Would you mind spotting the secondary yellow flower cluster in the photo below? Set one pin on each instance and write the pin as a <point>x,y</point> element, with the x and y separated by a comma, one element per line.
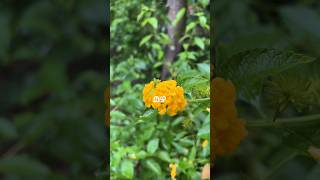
<point>174,96</point>
<point>173,173</point>
<point>227,130</point>
<point>204,144</point>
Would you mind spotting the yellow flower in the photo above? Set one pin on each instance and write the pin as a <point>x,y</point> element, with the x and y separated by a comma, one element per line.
<point>204,143</point>
<point>170,95</point>
<point>173,172</point>
<point>227,130</point>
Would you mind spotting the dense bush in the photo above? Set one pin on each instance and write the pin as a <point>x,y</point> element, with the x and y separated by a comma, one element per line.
<point>144,143</point>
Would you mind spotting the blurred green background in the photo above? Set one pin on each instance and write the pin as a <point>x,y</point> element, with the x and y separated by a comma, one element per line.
<point>291,27</point>
<point>52,78</point>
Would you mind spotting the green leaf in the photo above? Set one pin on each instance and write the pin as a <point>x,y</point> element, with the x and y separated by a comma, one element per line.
<point>186,142</point>
<point>127,169</point>
<point>193,153</point>
<point>203,21</point>
<point>117,115</point>
<point>177,121</point>
<point>153,166</point>
<point>248,69</point>
<point>148,132</point>
<point>190,26</point>
<point>141,155</point>
<point>7,130</point>
<point>204,132</point>
<point>53,76</point>
<point>153,22</point>
<point>141,14</point>
<point>164,155</point>
<point>145,40</point>
<point>165,39</point>
<point>149,114</point>
<point>35,127</point>
<point>24,166</point>
<point>180,149</point>
<point>153,146</point>
<point>157,64</point>
<point>204,68</point>
<point>199,42</point>
<point>204,3</point>
<point>199,81</point>
<point>179,16</point>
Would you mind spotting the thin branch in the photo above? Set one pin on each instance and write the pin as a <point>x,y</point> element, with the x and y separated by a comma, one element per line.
<point>14,149</point>
<point>295,121</point>
<point>199,100</point>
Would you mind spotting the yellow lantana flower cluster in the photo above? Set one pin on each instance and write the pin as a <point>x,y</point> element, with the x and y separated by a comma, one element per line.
<point>173,100</point>
<point>173,171</point>
<point>227,130</point>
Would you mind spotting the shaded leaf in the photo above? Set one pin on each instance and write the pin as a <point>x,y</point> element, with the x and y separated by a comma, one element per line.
<point>7,130</point>
<point>24,166</point>
<point>301,19</point>
<point>164,155</point>
<point>153,166</point>
<point>248,69</point>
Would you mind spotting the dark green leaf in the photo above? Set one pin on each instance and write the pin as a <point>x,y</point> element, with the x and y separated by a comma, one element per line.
<point>302,20</point>
<point>149,114</point>
<point>117,115</point>
<point>24,166</point>
<point>164,155</point>
<point>180,148</point>
<point>248,69</point>
<point>7,130</point>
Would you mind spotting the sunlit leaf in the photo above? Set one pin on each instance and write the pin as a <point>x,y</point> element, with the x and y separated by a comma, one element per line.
<point>153,146</point>
<point>127,169</point>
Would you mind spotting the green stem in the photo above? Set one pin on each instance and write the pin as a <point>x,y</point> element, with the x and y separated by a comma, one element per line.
<point>199,100</point>
<point>295,121</point>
